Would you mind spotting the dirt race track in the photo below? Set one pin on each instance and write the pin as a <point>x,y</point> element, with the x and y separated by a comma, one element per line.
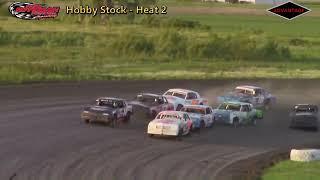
<point>42,137</point>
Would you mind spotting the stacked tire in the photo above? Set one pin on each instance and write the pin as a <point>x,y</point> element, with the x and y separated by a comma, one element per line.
<point>305,155</point>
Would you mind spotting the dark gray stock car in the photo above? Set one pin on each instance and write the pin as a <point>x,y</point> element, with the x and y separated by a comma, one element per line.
<point>107,110</point>
<point>304,116</point>
<point>151,103</point>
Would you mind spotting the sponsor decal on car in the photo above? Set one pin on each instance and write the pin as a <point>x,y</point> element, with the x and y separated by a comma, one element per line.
<point>289,10</point>
<point>194,102</point>
<point>31,11</point>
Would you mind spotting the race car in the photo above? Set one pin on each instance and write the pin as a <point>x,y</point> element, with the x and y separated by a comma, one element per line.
<point>170,123</point>
<point>304,116</point>
<point>152,103</point>
<point>201,115</point>
<point>182,97</point>
<point>108,110</point>
<point>237,113</point>
<point>254,95</point>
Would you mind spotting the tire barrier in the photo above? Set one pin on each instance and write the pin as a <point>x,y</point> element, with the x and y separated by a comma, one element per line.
<point>305,155</point>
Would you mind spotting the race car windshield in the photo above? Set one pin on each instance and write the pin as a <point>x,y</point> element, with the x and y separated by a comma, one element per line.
<point>162,116</point>
<point>147,99</point>
<point>169,93</point>
<point>194,110</point>
<point>232,107</point>
<point>243,91</point>
<point>179,95</point>
<point>109,103</point>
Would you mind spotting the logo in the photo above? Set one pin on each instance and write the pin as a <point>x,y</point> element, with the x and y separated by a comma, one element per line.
<point>289,10</point>
<point>30,11</point>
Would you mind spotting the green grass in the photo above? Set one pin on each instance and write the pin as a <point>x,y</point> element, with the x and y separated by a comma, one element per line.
<point>177,47</point>
<point>272,25</point>
<point>289,170</point>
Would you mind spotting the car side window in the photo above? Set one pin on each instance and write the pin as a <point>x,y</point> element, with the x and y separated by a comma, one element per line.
<point>208,111</point>
<point>191,95</point>
<point>165,101</point>
<point>245,108</point>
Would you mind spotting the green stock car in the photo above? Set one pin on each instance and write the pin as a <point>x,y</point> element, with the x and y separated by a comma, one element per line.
<point>236,113</point>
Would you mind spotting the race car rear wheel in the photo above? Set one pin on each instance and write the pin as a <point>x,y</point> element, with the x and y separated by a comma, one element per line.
<point>87,121</point>
<point>179,136</point>
<point>113,121</point>
<point>254,121</point>
<point>128,116</point>
<point>267,105</point>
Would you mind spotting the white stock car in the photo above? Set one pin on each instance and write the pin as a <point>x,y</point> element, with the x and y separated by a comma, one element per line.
<point>170,123</point>
<point>255,95</point>
<point>201,115</point>
<point>182,97</point>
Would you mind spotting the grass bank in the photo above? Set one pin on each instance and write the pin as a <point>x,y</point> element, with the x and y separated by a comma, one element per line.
<point>289,170</point>
<point>158,47</point>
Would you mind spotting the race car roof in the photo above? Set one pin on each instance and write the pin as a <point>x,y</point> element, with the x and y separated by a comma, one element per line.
<point>110,98</point>
<point>237,102</point>
<point>181,90</point>
<point>172,112</point>
<point>197,106</point>
<point>250,88</point>
<point>149,94</point>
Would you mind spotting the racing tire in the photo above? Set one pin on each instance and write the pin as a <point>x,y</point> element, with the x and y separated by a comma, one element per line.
<point>267,105</point>
<point>128,117</point>
<point>202,124</point>
<point>179,107</point>
<point>254,122</point>
<point>213,122</point>
<point>150,135</point>
<point>235,122</point>
<point>179,136</point>
<point>113,122</point>
<point>87,121</point>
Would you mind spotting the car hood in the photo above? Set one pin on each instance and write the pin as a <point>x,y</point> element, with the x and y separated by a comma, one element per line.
<point>234,97</point>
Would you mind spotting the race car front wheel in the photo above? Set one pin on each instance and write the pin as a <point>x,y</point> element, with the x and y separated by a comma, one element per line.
<point>254,122</point>
<point>235,122</point>
<point>179,107</point>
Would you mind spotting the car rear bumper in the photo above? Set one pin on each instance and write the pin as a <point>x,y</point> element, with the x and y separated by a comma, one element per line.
<point>157,129</point>
<point>95,117</point>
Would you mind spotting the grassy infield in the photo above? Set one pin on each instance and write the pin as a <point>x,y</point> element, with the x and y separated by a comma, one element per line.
<point>289,170</point>
<point>187,46</point>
